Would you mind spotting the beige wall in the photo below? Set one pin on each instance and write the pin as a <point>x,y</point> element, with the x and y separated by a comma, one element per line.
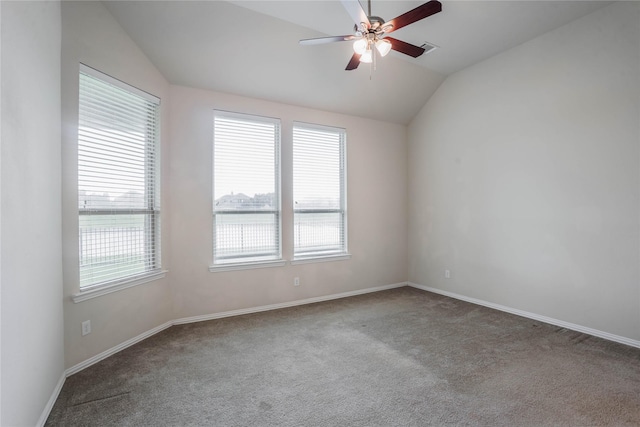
<point>31,276</point>
<point>523,177</point>
<point>91,36</point>
<point>376,169</point>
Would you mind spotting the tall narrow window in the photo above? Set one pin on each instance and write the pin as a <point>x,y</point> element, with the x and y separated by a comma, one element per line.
<point>118,191</point>
<point>246,189</point>
<point>319,211</point>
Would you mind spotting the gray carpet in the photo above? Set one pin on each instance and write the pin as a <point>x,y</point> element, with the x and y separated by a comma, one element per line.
<point>402,357</point>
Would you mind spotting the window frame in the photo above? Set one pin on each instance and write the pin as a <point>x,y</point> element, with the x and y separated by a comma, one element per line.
<point>152,208</point>
<point>343,253</point>
<point>249,261</point>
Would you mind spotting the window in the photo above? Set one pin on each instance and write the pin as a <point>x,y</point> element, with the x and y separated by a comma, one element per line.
<point>246,189</point>
<point>319,211</point>
<point>118,190</point>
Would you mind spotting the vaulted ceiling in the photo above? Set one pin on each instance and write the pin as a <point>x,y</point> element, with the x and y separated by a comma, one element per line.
<point>251,47</point>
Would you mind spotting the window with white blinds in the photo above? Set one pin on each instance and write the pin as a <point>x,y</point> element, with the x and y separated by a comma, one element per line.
<point>118,191</point>
<point>246,188</point>
<point>319,176</point>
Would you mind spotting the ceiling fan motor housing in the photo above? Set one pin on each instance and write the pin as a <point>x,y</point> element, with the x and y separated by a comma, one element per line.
<point>377,26</point>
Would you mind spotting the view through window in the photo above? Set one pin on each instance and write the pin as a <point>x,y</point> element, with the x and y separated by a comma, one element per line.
<point>246,187</point>
<point>319,158</point>
<point>118,193</point>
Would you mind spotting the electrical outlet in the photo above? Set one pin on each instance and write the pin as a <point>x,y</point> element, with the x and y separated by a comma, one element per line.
<point>296,281</point>
<point>86,327</point>
<point>447,274</point>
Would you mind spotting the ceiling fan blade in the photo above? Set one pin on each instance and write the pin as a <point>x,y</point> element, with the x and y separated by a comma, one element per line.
<point>404,47</point>
<point>357,13</point>
<point>322,40</point>
<point>354,62</point>
<point>420,12</point>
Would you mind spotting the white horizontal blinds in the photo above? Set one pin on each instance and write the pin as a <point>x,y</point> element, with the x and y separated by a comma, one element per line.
<point>319,191</point>
<point>118,195</point>
<point>246,181</point>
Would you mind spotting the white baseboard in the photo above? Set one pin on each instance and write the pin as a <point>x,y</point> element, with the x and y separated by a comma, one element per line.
<point>97,358</point>
<point>52,401</point>
<point>285,304</point>
<point>113,350</point>
<point>545,319</point>
<point>93,360</point>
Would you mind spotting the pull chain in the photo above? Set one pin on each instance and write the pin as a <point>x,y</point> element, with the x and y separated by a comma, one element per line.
<point>372,66</point>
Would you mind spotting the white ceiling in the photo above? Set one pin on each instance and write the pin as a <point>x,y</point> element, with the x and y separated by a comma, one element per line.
<point>251,47</point>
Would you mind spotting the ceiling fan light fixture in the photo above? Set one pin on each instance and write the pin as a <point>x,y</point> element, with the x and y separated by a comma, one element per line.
<point>383,46</point>
<point>360,45</point>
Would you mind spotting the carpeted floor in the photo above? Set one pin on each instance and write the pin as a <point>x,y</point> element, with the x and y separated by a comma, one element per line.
<point>402,357</point>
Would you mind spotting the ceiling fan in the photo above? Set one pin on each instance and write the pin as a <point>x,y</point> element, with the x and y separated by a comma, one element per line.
<point>371,32</point>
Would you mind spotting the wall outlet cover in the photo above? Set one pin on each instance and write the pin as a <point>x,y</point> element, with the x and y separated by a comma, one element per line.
<point>86,327</point>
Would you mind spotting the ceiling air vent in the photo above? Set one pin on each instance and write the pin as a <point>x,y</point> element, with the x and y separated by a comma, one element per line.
<point>428,47</point>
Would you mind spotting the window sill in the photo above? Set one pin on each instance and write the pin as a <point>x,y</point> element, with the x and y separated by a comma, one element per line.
<point>327,258</point>
<point>246,266</point>
<point>117,286</point>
